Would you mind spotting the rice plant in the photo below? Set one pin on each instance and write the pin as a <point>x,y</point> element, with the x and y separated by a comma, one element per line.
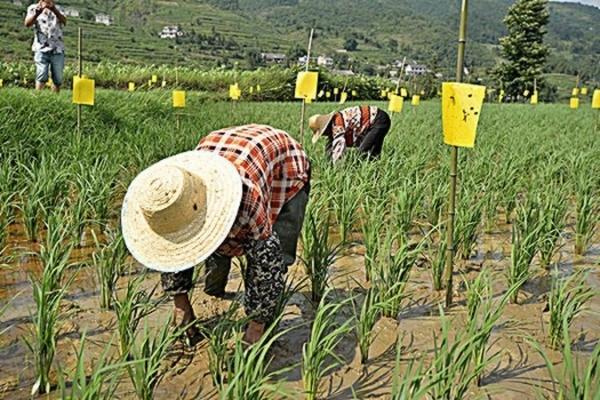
<point>318,254</point>
<point>345,205</point>
<point>318,352</point>
<point>566,301</point>
<point>48,291</point>
<point>554,206</point>
<point>130,310</point>
<point>407,200</point>
<point>146,371</point>
<point>99,384</point>
<point>108,262</point>
<point>415,382</point>
<point>372,227</point>
<point>436,256</point>
<point>6,219</point>
<point>248,371</point>
<point>468,220</point>
<point>526,232</point>
<point>587,210</point>
<point>573,379</point>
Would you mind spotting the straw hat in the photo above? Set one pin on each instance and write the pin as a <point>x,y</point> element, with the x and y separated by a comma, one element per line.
<point>180,210</point>
<point>319,124</point>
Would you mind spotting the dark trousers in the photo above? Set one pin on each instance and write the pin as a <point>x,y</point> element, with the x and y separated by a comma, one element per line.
<point>371,144</point>
<point>217,267</point>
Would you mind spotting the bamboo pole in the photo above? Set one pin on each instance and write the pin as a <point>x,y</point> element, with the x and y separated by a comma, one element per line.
<point>401,74</point>
<point>449,270</point>
<point>79,73</point>
<point>303,112</point>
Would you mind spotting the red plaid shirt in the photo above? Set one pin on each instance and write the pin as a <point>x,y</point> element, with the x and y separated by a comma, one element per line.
<point>348,126</point>
<point>273,168</point>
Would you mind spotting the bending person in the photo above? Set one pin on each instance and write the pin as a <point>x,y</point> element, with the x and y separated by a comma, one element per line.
<point>243,192</point>
<point>363,127</point>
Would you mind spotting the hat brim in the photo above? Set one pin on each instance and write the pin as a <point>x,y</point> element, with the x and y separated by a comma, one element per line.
<point>322,127</point>
<point>223,198</point>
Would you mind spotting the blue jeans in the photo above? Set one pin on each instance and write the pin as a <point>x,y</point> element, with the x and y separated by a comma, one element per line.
<point>49,61</point>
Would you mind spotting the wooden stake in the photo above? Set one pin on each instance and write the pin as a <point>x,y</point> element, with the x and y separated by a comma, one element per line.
<point>303,112</point>
<point>449,270</point>
<point>79,73</point>
<point>401,74</point>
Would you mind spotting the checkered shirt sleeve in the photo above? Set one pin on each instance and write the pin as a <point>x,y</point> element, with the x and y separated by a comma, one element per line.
<point>273,168</point>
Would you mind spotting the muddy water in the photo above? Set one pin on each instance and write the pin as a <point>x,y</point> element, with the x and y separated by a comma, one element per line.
<point>518,373</point>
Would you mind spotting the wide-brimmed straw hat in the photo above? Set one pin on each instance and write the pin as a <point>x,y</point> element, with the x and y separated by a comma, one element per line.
<point>318,124</point>
<point>180,210</point>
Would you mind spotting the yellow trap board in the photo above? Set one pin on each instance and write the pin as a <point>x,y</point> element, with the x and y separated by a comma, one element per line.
<point>84,91</point>
<point>396,103</point>
<point>306,85</point>
<point>461,107</point>
<point>178,98</point>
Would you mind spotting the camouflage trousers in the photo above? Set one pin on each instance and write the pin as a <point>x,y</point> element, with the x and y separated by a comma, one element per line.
<point>267,262</point>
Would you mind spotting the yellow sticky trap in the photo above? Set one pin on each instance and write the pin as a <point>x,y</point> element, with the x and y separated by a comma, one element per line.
<point>416,100</point>
<point>354,93</point>
<point>178,99</point>
<point>526,93</point>
<point>131,87</point>
<point>154,78</point>
<point>396,103</point>
<point>164,83</point>
<point>321,93</point>
<point>422,93</point>
<point>343,98</point>
<point>461,107</point>
<point>575,92</point>
<point>306,85</point>
<point>307,101</point>
<point>390,95</point>
<point>403,92</point>
<point>1,82</point>
<point>596,99</point>
<point>150,83</point>
<point>584,91</point>
<point>251,90</point>
<point>574,103</point>
<point>336,91</point>
<point>328,94</point>
<point>383,94</point>
<point>234,92</point>
<point>258,89</point>
<point>83,91</point>
<point>534,98</point>
<point>49,83</point>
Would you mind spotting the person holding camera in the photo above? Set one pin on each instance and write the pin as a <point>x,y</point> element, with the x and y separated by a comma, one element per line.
<point>47,20</point>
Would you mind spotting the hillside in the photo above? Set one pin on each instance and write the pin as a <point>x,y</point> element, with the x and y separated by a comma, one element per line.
<point>222,32</point>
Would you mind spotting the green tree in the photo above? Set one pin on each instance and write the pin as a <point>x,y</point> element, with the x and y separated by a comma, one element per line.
<point>351,44</point>
<point>523,49</point>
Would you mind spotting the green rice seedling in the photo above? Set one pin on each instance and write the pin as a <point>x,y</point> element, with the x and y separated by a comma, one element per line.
<point>146,371</point>
<point>554,206</point>
<point>452,364</point>
<point>219,337</point>
<point>248,371</point>
<point>415,382</point>
<point>4,308</point>
<point>436,202</point>
<point>525,241</point>
<point>437,261</point>
<point>372,227</point>
<point>318,352</point>
<point>6,219</point>
<point>108,262</point>
<point>345,205</point>
<point>407,200</point>
<point>575,380</point>
<point>99,384</point>
<point>130,310</point>
<point>587,213</point>
<point>468,220</point>
<point>317,252</point>
<point>566,301</point>
<point>393,271</point>
<point>32,210</point>
<point>48,292</point>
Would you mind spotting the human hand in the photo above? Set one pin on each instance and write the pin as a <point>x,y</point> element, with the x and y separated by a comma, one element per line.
<point>254,332</point>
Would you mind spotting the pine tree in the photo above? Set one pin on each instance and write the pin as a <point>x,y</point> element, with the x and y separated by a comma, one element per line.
<point>523,49</point>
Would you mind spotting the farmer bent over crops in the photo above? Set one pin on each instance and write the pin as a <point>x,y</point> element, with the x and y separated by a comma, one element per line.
<point>243,192</point>
<point>363,127</point>
<point>48,44</point>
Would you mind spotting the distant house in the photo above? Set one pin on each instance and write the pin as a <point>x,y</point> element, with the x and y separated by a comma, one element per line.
<point>413,69</point>
<point>170,32</point>
<point>103,19</point>
<point>71,12</point>
<point>273,58</point>
<point>324,61</point>
<point>17,3</point>
<point>344,72</point>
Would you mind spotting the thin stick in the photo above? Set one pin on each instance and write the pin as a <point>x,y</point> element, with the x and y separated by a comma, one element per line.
<point>449,271</point>
<point>401,74</point>
<point>79,73</point>
<point>302,114</point>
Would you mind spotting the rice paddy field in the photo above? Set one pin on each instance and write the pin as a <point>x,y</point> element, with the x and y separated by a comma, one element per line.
<point>363,315</point>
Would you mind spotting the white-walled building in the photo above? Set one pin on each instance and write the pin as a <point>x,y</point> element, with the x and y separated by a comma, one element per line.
<point>71,12</point>
<point>170,32</point>
<point>103,19</point>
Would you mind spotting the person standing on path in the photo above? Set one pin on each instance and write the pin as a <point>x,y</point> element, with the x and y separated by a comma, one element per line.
<point>48,46</point>
<point>243,192</point>
<point>363,127</point>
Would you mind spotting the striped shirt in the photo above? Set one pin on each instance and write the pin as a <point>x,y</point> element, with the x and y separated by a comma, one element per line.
<point>273,168</point>
<point>348,127</point>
